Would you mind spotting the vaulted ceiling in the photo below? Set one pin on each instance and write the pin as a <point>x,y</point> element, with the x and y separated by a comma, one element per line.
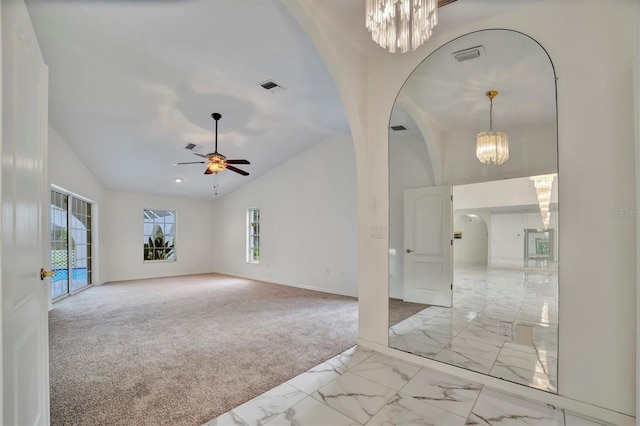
<point>133,82</point>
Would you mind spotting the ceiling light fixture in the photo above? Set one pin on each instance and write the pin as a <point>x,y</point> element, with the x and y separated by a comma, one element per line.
<point>177,180</point>
<point>400,25</point>
<point>543,185</point>
<point>492,147</point>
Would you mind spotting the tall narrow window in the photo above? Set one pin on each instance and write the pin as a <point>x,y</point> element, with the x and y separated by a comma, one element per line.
<point>70,244</point>
<point>159,239</point>
<point>253,235</point>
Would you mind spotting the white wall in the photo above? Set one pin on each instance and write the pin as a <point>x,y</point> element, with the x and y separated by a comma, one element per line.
<point>516,192</point>
<point>122,236</point>
<point>473,247</point>
<point>68,172</point>
<point>595,104</point>
<point>410,163</point>
<point>308,222</point>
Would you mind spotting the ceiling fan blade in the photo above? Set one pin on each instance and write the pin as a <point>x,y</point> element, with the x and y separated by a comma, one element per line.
<point>208,172</point>
<point>237,170</point>
<point>238,162</point>
<point>199,155</point>
<point>190,162</point>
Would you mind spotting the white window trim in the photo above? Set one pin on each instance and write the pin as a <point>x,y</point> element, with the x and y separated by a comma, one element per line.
<point>249,257</point>
<point>175,229</point>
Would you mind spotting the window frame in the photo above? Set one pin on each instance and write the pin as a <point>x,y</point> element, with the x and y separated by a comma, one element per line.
<point>253,238</point>
<point>172,227</point>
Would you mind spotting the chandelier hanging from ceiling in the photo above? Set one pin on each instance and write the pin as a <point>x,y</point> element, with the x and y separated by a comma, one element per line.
<point>492,147</point>
<point>400,25</point>
<point>544,185</point>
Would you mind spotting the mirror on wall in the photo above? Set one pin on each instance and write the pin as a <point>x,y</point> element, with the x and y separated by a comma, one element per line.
<point>473,247</point>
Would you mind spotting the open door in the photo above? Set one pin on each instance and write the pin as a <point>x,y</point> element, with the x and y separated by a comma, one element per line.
<point>25,352</point>
<point>428,268</point>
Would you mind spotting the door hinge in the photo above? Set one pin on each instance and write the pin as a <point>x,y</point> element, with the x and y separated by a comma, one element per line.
<point>451,242</point>
<point>452,198</point>
<point>451,286</point>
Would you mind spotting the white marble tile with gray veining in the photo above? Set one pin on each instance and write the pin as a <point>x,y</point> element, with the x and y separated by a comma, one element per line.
<point>495,408</point>
<point>470,362</point>
<point>404,410</point>
<point>430,337</point>
<point>350,358</point>
<point>534,379</point>
<point>227,419</point>
<point>311,412</point>
<point>265,407</point>
<point>354,396</point>
<point>487,351</point>
<point>415,347</point>
<point>536,361</point>
<point>387,371</point>
<point>444,391</point>
<point>312,380</point>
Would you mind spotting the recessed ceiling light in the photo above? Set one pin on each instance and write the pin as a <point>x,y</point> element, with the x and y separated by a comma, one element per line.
<point>177,180</point>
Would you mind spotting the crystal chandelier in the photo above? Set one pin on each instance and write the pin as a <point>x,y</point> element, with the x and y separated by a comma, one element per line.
<point>543,185</point>
<point>400,25</point>
<point>492,147</point>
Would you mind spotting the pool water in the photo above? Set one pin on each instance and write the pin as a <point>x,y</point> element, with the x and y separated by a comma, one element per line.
<point>76,274</point>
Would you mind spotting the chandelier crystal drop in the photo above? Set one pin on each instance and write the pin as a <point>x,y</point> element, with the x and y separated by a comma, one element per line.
<point>544,185</point>
<point>492,147</point>
<point>400,25</point>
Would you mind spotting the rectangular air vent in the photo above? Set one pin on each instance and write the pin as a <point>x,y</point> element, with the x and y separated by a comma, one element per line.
<point>445,2</point>
<point>193,147</point>
<point>271,86</point>
<point>398,128</point>
<point>470,53</point>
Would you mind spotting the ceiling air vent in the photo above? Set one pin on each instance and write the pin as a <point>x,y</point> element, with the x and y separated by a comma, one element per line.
<point>470,53</point>
<point>444,2</point>
<point>192,147</point>
<point>271,86</point>
<point>398,128</point>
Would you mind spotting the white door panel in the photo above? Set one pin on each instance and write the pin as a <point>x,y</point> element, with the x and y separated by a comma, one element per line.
<point>428,270</point>
<point>25,372</point>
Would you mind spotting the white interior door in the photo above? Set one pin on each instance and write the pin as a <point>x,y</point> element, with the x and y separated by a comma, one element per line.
<point>428,233</point>
<point>25,354</point>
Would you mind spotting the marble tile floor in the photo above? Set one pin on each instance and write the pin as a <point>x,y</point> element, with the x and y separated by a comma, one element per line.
<point>363,387</point>
<point>469,335</point>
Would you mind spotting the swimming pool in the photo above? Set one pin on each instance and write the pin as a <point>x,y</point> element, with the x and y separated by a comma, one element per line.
<point>76,274</point>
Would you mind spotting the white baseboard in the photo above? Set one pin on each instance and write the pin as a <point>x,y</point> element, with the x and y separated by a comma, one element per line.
<point>557,401</point>
<point>289,284</point>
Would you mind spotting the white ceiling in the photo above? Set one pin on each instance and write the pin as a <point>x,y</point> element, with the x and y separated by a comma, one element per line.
<point>132,82</point>
<point>452,93</point>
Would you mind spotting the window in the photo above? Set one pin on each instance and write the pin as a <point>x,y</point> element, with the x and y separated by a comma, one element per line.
<point>159,235</point>
<point>253,235</point>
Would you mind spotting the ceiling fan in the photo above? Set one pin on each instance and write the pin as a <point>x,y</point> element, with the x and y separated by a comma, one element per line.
<point>217,162</point>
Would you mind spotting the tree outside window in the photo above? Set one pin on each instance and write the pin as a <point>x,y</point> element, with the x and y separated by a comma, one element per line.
<point>159,235</point>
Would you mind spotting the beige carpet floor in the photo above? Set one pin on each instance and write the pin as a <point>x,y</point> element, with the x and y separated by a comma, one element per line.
<point>181,351</point>
<point>400,310</point>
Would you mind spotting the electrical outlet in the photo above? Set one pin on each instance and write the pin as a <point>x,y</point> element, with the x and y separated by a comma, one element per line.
<point>506,329</point>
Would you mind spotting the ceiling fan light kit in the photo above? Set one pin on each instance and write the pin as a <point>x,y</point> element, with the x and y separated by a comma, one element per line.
<point>217,162</point>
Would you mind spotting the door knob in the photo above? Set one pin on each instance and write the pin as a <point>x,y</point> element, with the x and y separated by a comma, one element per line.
<point>409,251</point>
<point>44,274</point>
